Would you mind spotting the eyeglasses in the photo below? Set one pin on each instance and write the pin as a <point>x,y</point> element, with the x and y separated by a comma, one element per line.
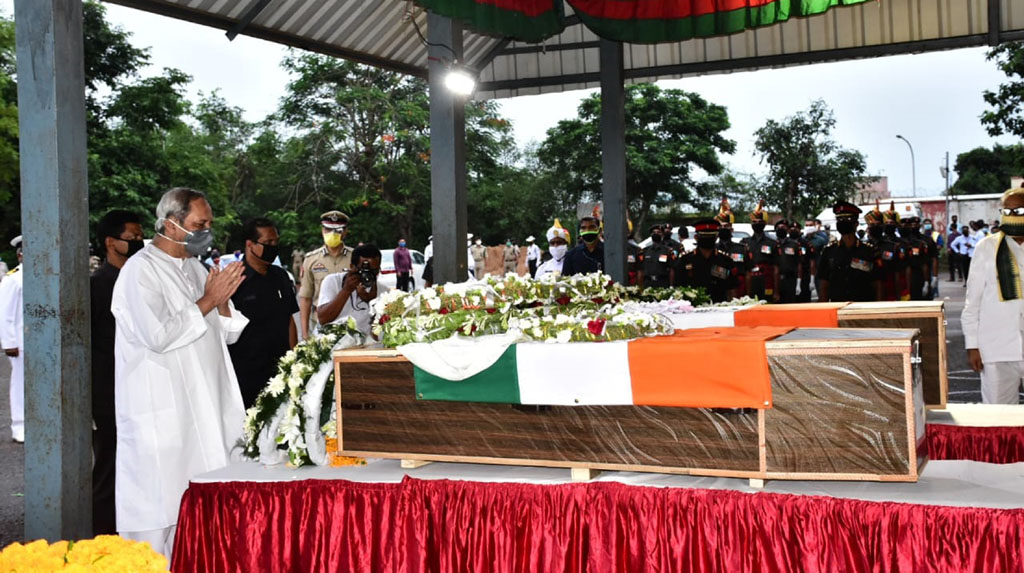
<point>337,231</point>
<point>1018,211</point>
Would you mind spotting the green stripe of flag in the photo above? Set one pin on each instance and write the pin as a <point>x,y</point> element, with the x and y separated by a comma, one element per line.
<point>652,31</point>
<point>497,384</point>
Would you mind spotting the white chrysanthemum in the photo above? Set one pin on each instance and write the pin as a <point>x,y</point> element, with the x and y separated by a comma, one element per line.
<point>276,385</point>
<point>564,336</point>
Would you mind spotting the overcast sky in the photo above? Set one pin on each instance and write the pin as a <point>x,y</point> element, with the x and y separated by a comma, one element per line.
<point>934,99</point>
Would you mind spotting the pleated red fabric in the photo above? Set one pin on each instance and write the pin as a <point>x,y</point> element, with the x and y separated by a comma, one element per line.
<point>433,526</point>
<point>995,445</point>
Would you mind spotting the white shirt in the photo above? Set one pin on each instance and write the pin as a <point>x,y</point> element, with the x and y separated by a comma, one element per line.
<point>549,266</point>
<point>428,251</point>
<point>533,252</point>
<point>12,330</point>
<point>178,407</point>
<point>355,307</point>
<point>992,326</point>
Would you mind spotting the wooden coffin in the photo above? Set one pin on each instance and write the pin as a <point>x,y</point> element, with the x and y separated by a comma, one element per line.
<point>847,406</point>
<point>929,317</point>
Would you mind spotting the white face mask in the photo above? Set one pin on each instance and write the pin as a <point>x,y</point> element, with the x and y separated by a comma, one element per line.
<point>557,251</point>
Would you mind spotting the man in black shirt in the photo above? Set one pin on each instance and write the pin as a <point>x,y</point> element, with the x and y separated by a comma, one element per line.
<point>267,298</point>
<point>587,257</point>
<point>120,235</point>
<point>706,267</point>
<point>848,270</point>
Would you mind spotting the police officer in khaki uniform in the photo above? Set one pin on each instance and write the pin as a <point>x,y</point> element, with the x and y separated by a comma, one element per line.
<point>656,261</point>
<point>333,257</point>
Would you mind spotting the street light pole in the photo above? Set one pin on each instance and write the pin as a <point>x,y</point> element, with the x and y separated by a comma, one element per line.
<point>913,164</point>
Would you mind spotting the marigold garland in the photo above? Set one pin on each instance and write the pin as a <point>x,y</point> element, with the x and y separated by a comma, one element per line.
<point>103,554</point>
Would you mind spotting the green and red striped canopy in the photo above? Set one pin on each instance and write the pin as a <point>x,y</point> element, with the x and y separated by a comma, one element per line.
<point>633,21</point>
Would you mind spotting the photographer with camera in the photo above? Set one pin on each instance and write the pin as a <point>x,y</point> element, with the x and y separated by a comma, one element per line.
<point>348,294</point>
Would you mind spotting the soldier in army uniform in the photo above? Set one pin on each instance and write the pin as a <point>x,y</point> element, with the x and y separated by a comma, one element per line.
<point>706,267</point>
<point>332,257</point>
<point>656,261</point>
<point>791,259</point>
<point>890,254</point>
<point>848,271</point>
<point>763,273</point>
<point>676,246</point>
<point>917,256</point>
<point>737,252</point>
<point>894,254</point>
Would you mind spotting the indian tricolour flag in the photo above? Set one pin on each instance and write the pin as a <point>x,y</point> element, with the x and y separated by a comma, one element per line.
<point>685,371</point>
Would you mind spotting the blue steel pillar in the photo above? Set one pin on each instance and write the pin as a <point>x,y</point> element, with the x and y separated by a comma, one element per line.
<point>613,159</point>
<point>54,221</point>
<point>447,154</point>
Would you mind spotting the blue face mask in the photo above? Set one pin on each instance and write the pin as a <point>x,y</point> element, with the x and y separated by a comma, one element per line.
<point>928,227</point>
<point>401,243</point>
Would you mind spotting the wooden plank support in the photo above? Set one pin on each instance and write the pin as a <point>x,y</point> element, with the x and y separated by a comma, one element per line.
<point>413,464</point>
<point>584,474</point>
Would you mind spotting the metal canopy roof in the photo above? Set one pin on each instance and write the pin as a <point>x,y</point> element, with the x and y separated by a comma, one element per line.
<point>381,33</point>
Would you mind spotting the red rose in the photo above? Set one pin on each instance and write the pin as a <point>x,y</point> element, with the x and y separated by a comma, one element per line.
<point>597,300</point>
<point>444,310</point>
<point>492,310</point>
<point>563,300</point>
<point>384,318</point>
<point>596,327</point>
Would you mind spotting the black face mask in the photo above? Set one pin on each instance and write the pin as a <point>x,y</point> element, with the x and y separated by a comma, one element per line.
<point>588,236</point>
<point>706,242</point>
<point>134,245</point>
<point>657,238</point>
<point>758,227</point>
<point>875,231</point>
<point>269,252</point>
<point>725,235</point>
<point>890,229</point>
<point>846,227</point>
<point>795,234</point>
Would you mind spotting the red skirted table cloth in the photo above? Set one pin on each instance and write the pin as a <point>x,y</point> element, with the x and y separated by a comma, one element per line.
<point>441,525</point>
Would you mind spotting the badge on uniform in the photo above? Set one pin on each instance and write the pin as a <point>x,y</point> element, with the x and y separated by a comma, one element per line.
<point>630,259</point>
<point>689,266</point>
<point>790,251</point>
<point>319,268</point>
<point>738,257</point>
<point>766,249</point>
<point>662,258</point>
<point>861,265</point>
<point>915,251</point>
<point>719,272</point>
<point>887,255</point>
<point>803,251</point>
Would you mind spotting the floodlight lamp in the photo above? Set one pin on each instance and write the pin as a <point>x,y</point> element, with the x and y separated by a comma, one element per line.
<point>459,81</point>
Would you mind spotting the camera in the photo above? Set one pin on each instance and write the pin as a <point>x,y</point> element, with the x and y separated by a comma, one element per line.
<point>367,276</point>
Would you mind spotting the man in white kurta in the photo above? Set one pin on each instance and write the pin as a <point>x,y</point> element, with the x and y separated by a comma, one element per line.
<point>12,341</point>
<point>993,315</point>
<point>178,407</point>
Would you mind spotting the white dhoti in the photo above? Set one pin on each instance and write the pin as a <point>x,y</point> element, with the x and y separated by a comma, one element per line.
<point>161,540</point>
<point>17,397</point>
<point>1000,382</point>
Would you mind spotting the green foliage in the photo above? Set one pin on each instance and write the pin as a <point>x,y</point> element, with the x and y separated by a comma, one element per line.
<point>673,138</point>
<point>983,170</point>
<point>807,169</point>
<point>1006,116</point>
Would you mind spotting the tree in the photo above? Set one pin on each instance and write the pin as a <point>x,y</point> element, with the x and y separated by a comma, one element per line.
<point>362,144</point>
<point>671,138</point>
<point>983,170</point>
<point>807,169</point>
<point>1006,115</point>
